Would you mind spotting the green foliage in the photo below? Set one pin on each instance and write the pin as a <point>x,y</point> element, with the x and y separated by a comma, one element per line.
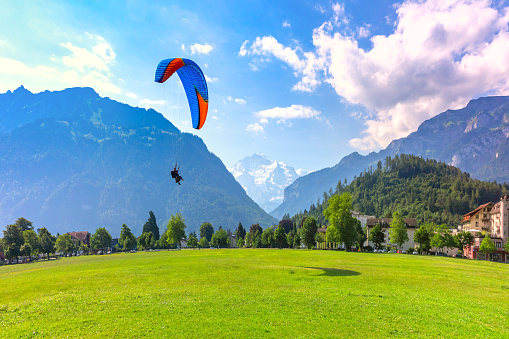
<point>151,226</point>
<point>487,245</point>
<point>423,235</point>
<point>463,239</point>
<point>47,241</point>
<point>32,239</point>
<point>13,240</point>
<point>398,232</point>
<point>254,229</point>
<point>101,239</point>
<point>240,242</point>
<point>204,242</point>
<point>24,224</point>
<point>268,238</point>
<point>280,237</point>
<point>206,230</point>
<point>240,232</point>
<point>344,226</point>
<point>309,228</point>
<point>442,237</point>
<point>220,239</point>
<point>192,241</point>
<point>127,239</point>
<point>425,189</point>
<point>64,244</point>
<point>176,229</point>
<point>377,236</point>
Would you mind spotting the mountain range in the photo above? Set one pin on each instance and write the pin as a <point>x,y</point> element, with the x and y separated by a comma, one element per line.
<point>73,161</point>
<point>475,139</point>
<point>264,180</point>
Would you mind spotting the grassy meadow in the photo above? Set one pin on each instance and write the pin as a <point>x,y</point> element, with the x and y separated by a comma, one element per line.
<point>259,293</point>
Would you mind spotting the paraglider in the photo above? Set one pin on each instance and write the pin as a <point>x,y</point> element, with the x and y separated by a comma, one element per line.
<point>194,83</point>
<point>195,86</point>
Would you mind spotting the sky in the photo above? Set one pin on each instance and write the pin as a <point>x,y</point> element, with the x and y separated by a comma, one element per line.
<point>303,82</point>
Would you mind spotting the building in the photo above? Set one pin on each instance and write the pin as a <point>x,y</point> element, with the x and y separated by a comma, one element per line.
<point>361,217</point>
<point>488,220</point>
<point>478,219</point>
<point>83,236</point>
<point>410,223</point>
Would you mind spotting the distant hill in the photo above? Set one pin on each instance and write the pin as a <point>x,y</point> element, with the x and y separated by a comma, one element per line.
<point>71,161</point>
<point>425,189</point>
<point>264,180</point>
<point>475,139</point>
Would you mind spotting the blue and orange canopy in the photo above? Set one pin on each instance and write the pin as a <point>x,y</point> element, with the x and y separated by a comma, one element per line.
<point>194,84</point>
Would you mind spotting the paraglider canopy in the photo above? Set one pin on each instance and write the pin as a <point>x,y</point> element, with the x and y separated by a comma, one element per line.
<point>194,83</point>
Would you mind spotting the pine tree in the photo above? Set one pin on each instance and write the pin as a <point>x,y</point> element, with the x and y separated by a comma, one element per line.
<point>151,226</point>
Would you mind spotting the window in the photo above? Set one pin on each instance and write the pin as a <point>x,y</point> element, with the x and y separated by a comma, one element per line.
<point>476,224</point>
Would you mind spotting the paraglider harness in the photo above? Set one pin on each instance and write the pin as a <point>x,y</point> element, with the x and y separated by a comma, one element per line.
<point>175,174</point>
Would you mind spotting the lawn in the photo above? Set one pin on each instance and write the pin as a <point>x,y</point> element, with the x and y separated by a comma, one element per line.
<point>255,294</point>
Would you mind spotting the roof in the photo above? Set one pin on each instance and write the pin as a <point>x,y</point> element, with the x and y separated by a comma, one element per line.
<point>411,222</point>
<point>474,212</point>
<point>80,235</point>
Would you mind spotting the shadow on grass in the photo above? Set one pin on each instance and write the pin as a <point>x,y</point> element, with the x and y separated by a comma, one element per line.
<point>334,272</point>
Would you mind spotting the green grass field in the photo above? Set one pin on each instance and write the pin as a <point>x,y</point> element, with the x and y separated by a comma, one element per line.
<point>255,294</point>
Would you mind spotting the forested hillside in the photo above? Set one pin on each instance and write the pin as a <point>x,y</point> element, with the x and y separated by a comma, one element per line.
<point>419,188</point>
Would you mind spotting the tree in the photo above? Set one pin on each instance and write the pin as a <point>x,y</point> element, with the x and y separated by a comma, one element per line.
<point>151,226</point>
<point>287,225</point>
<point>101,239</point>
<point>297,238</point>
<point>280,237</point>
<point>206,230</point>
<point>24,224</point>
<point>240,242</point>
<point>249,240</point>
<point>64,244</point>
<point>240,232</point>
<point>127,239</point>
<point>423,237</point>
<point>204,242</point>
<point>163,241</point>
<point>176,229</point>
<point>13,240</point>
<point>308,232</point>
<point>220,239</point>
<point>289,239</point>
<point>361,235</point>
<point>506,247</point>
<point>268,238</point>
<point>255,228</point>
<point>192,241</point>
<point>32,239</point>
<point>487,246</point>
<point>377,236</point>
<point>146,241</point>
<point>398,232</point>
<point>339,215</point>
<point>257,239</point>
<point>442,237</point>
<point>463,239</point>
<point>47,241</point>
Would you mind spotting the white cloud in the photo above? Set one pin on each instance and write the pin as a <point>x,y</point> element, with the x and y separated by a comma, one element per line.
<point>151,103</point>
<point>131,95</point>
<point>282,114</point>
<point>197,49</point>
<point>209,79</point>
<point>256,128</point>
<point>84,66</point>
<point>238,101</point>
<point>286,24</point>
<point>363,31</point>
<point>440,55</point>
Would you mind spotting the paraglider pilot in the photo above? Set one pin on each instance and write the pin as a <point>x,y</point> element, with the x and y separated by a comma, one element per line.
<point>175,174</point>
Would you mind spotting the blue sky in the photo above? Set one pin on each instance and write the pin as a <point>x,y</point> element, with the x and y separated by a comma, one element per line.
<point>304,82</point>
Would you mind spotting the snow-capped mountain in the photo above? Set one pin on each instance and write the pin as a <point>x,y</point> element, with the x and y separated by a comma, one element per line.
<point>265,180</point>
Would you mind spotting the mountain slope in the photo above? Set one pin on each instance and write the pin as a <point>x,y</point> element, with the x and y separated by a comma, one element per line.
<point>73,161</point>
<point>474,139</point>
<point>264,180</point>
